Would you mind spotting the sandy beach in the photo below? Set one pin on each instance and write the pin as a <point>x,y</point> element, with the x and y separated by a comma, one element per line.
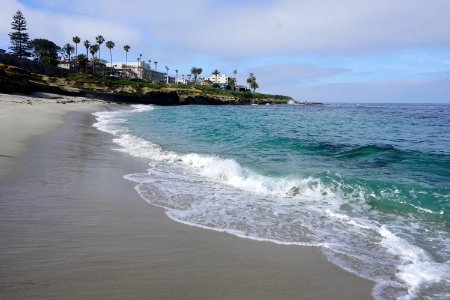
<point>72,228</point>
<point>22,117</point>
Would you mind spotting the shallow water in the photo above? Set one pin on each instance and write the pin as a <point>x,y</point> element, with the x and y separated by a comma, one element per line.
<point>369,184</point>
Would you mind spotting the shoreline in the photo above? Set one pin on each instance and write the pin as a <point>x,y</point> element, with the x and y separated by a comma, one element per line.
<point>74,228</point>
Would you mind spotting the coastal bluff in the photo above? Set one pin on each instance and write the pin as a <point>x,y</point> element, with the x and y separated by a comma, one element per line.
<point>19,77</point>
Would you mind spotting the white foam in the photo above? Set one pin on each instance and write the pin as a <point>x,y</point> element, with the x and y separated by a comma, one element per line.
<point>417,268</point>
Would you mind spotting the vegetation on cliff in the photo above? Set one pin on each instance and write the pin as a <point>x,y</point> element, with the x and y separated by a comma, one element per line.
<point>29,78</point>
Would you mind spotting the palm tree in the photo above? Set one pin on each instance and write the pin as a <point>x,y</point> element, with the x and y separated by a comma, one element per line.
<point>231,82</point>
<point>93,49</point>
<point>150,68</point>
<point>82,61</point>
<point>199,71</point>
<point>196,71</point>
<point>139,67</point>
<point>167,74</point>
<point>254,85</point>
<point>110,45</point>
<point>251,80</point>
<point>76,40</point>
<point>126,48</point>
<point>86,44</point>
<point>156,65</point>
<point>176,76</point>
<point>68,49</point>
<point>216,73</point>
<point>100,39</point>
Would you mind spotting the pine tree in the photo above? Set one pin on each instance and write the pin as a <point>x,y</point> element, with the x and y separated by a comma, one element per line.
<point>20,44</point>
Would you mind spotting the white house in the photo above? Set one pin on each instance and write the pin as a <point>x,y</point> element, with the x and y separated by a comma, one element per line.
<point>141,70</point>
<point>220,79</point>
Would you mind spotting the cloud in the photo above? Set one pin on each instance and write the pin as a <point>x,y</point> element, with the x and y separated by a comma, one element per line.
<point>60,27</point>
<point>248,28</point>
<point>285,26</point>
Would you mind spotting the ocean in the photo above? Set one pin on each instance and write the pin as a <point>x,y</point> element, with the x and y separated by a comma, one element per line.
<point>368,184</point>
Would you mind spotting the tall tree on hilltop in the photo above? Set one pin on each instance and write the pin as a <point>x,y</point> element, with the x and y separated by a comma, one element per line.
<point>76,40</point>
<point>45,51</point>
<point>199,71</point>
<point>234,80</point>
<point>99,39</point>
<point>156,66</point>
<point>231,82</point>
<point>126,48</point>
<point>196,71</point>
<point>176,76</point>
<point>68,49</point>
<point>20,44</point>
<point>93,49</point>
<point>254,85</point>
<point>82,61</point>
<point>251,80</point>
<point>167,74</point>
<point>87,44</point>
<point>110,45</point>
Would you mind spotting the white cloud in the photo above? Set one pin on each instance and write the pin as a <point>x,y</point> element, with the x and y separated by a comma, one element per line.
<point>60,27</point>
<point>247,28</point>
<point>297,26</point>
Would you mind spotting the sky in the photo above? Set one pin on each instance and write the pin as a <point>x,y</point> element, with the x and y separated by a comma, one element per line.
<point>316,50</point>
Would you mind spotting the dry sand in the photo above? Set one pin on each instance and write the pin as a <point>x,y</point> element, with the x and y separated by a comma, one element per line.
<point>72,228</point>
<point>22,117</point>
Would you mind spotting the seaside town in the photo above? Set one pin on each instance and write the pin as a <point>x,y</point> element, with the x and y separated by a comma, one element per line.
<point>69,57</point>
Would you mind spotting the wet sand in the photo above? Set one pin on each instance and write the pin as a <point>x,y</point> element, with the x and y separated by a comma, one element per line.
<point>72,228</point>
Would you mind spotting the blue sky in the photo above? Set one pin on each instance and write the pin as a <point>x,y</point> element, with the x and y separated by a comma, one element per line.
<point>327,50</point>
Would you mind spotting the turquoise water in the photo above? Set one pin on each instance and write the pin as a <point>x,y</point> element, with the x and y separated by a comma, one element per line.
<point>368,184</point>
